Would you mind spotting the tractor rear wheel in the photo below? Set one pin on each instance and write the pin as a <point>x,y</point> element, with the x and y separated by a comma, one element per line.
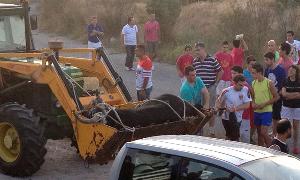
<point>22,145</point>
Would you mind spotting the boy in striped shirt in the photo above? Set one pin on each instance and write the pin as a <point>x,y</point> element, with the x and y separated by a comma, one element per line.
<point>143,74</point>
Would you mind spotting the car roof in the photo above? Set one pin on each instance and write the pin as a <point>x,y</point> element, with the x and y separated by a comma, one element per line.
<point>5,5</point>
<point>236,153</point>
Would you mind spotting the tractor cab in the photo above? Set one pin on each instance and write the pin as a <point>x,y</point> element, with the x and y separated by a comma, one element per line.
<point>15,28</point>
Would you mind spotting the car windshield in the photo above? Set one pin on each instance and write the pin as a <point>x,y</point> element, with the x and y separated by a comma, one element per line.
<point>12,33</point>
<point>275,168</point>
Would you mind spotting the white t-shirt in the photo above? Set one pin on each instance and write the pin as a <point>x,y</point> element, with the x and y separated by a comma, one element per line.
<point>294,52</point>
<point>235,98</point>
<point>130,34</point>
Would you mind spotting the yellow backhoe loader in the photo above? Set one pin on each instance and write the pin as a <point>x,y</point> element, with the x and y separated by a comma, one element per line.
<point>44,95</point>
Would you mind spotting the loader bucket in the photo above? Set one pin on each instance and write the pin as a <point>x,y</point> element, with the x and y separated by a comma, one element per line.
<point>113,139</point>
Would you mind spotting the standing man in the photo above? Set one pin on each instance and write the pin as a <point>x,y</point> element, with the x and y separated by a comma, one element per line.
<point>265,94</point>
<point>130,39</point>
<point>225,60</point>
<point>295,52</point>
<point>210,71</point>
<point>193,89</point>
<point>183,61</point>
<point>285,60</point>
<point>277,75</point>
<point>235,99</point>
<point>95,33</point>
<point>238,51</point>
<point>291,103</point>
<point>152,36</point>
<point>143,74</point>
<point>272,48</point>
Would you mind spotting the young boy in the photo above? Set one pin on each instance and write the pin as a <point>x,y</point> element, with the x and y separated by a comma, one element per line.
<point>246,129</point>
<point>265,94</point>
<point>184,60</point>
<point>284,132</point>
<point>235,99</point>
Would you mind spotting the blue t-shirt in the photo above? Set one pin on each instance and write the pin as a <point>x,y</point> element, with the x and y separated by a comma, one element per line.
<point>277,76</point>
<point>192,93</point>
<point>90,29</point>
<point>247,74</point>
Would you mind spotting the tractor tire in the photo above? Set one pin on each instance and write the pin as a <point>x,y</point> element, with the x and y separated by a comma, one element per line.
<point>22,145</point>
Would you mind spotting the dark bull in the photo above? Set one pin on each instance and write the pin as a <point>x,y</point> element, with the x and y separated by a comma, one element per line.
<point>165,108</point>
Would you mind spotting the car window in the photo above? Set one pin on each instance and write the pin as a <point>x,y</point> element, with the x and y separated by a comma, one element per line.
<point>196,170</point>
<point>140,164</point>
<point>12,33</point>
<point>148,165</point>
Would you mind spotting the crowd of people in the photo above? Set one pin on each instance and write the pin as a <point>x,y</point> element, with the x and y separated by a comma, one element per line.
<point>249,96</point>
<point>249,99</point>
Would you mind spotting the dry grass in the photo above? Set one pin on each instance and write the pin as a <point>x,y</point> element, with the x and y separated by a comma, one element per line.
<point>72,16</point>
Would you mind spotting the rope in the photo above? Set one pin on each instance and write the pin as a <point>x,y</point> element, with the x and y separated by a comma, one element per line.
<point>163,102</point>
<point>75,95</point>
<point>118,121</point>
<point>184,106</point>
<point>70,78</point>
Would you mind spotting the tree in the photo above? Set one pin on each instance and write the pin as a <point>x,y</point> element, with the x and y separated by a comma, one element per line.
<point>166,12</point>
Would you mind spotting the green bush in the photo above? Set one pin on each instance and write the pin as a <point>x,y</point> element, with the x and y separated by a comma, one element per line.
<point>170,53</point>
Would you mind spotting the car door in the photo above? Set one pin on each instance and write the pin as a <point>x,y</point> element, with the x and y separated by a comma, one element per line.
<point>191,169</point>
<point>141,164</point>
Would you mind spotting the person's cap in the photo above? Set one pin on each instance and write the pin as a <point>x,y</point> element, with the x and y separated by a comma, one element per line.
<point>200,44</point>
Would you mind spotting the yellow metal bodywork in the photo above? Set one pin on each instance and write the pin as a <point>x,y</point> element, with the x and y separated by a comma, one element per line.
<point>90,137</point>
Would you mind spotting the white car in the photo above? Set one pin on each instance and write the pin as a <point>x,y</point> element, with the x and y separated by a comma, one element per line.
<point>187,157</point>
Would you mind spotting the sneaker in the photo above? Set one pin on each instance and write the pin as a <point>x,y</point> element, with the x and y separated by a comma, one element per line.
<point>127,68</point>
<point>296,150</point>
<point>131,69</point>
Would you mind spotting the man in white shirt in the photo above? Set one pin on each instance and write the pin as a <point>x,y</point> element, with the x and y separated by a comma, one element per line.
<point>130,38</point>
<point>235,99</point>
<point>295,44</point>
